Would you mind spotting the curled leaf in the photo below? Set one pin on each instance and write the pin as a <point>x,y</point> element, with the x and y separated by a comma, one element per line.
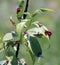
<point>43,29</point>
<point>2,62</point>
<point>9,36</point>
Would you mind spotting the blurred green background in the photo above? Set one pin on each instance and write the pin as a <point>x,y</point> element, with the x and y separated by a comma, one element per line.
<point>51,20</point>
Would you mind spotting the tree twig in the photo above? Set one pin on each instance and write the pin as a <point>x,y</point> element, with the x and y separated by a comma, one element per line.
<point>26,8</point>
<point>17,49</point>
<point>13,22</point>
<point>24,16</point>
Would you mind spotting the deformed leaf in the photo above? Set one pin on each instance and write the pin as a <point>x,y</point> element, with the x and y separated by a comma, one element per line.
<point>42,28</point>
<point>39,32</point>
<point>35,30</point>
<point>9,36</point>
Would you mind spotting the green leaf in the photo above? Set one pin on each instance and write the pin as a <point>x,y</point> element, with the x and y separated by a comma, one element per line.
<point>27,45</point>
<point>2,54</point>
<point>30,52</point>
<point>9,43</point>
<point>24,53</point>
<point>19,28</point>
<point>35,46</point>
<point>41,10</point>
<point>46,9</point>
<point>28,13</point>
<point>9,63</point>
<point>21,11</point>
<point>21,3</point>
<point>25,20</point>
<point>19,15</point>
<point>14,61</point>
<point>10,51</point>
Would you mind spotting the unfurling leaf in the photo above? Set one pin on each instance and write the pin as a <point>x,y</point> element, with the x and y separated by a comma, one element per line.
<point>20,10</point>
